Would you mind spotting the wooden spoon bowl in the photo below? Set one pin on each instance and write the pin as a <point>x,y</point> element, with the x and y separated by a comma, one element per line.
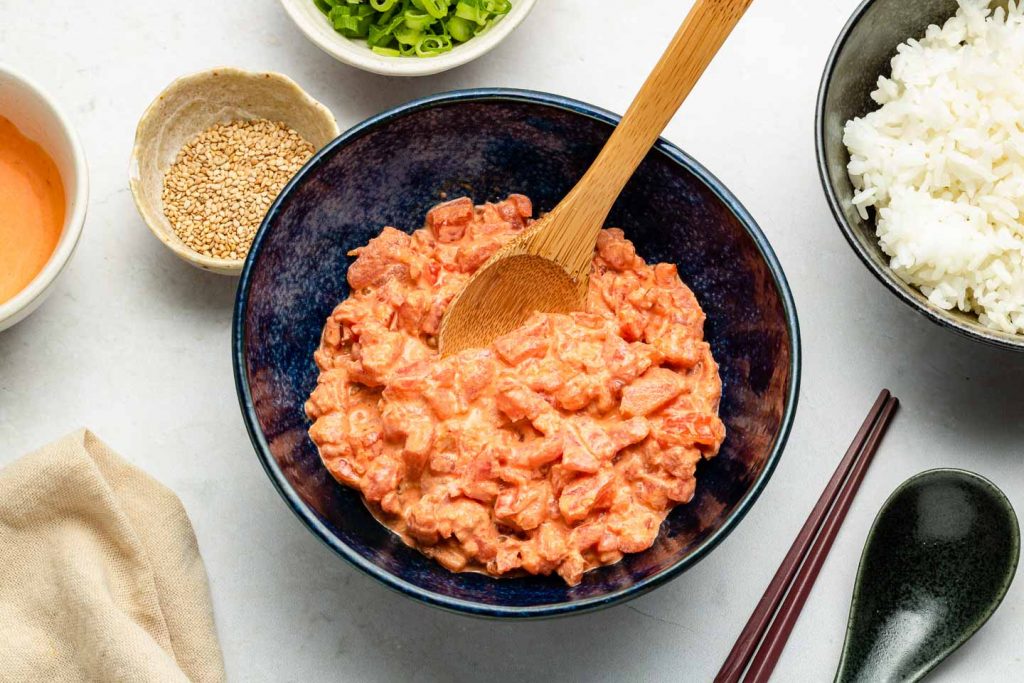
<point>547,268</point>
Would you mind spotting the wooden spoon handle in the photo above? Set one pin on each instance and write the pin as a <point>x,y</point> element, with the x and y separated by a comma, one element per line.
<point>703,31</point>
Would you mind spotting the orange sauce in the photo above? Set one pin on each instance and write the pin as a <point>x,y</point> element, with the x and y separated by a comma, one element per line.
<point>31,209</point>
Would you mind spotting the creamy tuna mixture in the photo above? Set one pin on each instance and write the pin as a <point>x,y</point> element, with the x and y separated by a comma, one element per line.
<point>558,448</point>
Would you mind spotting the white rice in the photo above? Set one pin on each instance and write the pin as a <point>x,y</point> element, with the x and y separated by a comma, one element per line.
<point>942,162</point>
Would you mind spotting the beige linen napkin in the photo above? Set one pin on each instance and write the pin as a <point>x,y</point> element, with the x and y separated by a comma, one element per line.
<point>100,573</point>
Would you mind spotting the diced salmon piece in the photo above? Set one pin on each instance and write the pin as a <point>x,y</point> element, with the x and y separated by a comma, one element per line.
<point>639,533</point>
<point>616,251</point>
<point>381,259</point>
<point>681,490</point>
<point>585,494</point>
<point>560,477</point>
<point>331,393</point>
<point>577,458</point>
<point>591,321</point>
<point>332,335</point>
<point>421,521</point>
<point>680,462</point>
<point>545,375</point>
<point>510,210</point>
<point>593,437</point>
<point>408,382</point>
<point>518,402</point>
<point>666,274</point>
<point>483,491</point>
<point>523,205</point>
<point>702,430</point>
<point>632,431</point>
<point>411,312</point>
<point>445,402</point>
<point>572,567</point>
<point>364,427</point>
<point>586,536</point>
<point>378,351</point>
<point>680,348</point>
<point>477,369</point>
<point>507,559</point>
<point>487,238</point>
<point>631,324</point>
<point>529,341</point>
<point>538,452</point>
<point>432,320</point>
<point>650,491</point>
<point>651,392</point>
<point>464,518</point>
<point>449,556</point>
<point>622,361</point>
<point>331,428</point>
<point>391,503</point>
<point>448,221</point>
<point>576,393</point>
<point>382,477</point>
<point>609,542</point>
<point>470,257</point>
<point>551,541</point>
<point>417,446</point>
<point>345,470</point>
<point>524,507</point>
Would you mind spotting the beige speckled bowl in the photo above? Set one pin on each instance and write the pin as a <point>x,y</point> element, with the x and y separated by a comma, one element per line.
<point>192,104</point>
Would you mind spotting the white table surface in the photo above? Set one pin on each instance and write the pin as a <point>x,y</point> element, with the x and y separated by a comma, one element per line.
<point>135,345</point>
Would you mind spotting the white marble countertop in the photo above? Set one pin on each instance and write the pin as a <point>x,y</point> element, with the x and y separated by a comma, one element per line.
<point>135,345</point>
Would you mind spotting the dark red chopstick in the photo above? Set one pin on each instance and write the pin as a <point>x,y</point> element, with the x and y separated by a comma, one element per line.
<point>828,513</point>
<point>768,654</point>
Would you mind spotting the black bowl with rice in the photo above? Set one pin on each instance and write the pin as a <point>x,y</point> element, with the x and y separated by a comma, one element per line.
<point>916,219</point>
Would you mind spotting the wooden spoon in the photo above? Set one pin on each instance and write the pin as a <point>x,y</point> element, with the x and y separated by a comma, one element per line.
<point>547,267</point>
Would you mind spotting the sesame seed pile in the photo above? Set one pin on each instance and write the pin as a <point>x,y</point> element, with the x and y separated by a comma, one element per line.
<point>223,181</point>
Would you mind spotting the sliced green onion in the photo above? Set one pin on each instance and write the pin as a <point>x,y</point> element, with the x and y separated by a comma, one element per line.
<point>433,45</point>
<point>408,36</point>
<point>420,28</point>
<point>461,29</point>
<point>324,6</point>
<point>435,8</point>
<point>497,6</point>
<point>417,21</point>
<point>472,10</point>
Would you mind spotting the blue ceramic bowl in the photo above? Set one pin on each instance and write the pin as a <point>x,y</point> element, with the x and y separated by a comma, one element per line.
<point>486,144</point>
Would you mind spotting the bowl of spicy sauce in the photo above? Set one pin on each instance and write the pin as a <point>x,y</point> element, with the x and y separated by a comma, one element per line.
<point>43,195</point>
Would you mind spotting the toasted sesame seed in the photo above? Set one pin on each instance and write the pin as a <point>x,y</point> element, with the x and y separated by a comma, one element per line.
<point>222,182</point>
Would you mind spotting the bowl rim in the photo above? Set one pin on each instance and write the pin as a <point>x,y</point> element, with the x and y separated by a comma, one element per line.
<point>884,274</point>
<point>22,304</point>
<point>309,517</point>
<point>405,66</point>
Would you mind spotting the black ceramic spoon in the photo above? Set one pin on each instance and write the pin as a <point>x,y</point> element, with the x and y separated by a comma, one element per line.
<point>938,561</point>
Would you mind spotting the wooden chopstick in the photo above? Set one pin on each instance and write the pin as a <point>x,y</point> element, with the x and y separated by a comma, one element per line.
<point>836,497</point>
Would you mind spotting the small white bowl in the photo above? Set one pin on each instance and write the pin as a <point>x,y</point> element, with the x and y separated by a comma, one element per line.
<point>190,105</point>
<point>318,29</point>
<point>37,116</point>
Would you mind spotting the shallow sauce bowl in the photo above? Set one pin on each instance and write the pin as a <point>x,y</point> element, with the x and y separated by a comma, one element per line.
<point>38,117</point>
<point>862,53</point>
<point>486,144</point>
